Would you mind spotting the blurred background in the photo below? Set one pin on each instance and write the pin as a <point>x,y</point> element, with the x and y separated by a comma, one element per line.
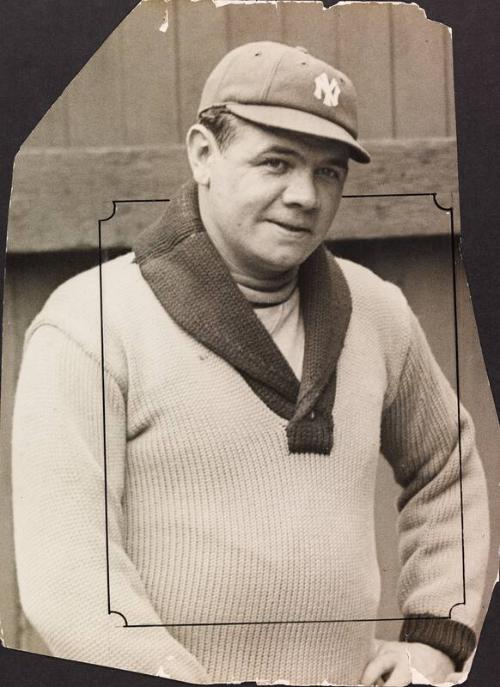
<point>117,133</point>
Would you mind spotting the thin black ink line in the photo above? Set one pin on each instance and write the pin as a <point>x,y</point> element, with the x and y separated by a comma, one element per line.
<point>445,208</point>
<point>293,622</point>
<point>346,195</point>
<point>457,375</point>
<point>270,622</point>
<point>143,200</point>
<point>125,621</point>
<point>387,195</point>
<point>104,423</point>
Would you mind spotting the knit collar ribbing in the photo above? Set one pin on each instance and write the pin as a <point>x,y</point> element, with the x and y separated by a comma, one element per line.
<point>264,299</point>
<point>186,273</point>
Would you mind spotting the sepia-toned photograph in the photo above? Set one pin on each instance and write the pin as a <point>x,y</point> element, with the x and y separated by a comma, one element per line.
<point>247,432</point>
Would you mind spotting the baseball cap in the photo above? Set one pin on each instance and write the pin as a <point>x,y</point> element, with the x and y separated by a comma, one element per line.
<point>285,87</point>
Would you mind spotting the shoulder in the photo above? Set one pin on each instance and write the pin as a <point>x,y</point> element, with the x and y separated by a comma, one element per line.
<point>371,293</point>
<point>79,299</point>
<point>106,297</point>
<point>374,298</point>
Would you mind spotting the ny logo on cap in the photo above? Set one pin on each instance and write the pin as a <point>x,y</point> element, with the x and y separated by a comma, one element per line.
<point>328,90</point>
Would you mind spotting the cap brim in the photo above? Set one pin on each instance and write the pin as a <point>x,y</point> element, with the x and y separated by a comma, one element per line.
<point>301,122</point>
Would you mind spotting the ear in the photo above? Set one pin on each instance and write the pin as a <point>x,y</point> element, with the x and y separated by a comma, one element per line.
<point>201,147</point>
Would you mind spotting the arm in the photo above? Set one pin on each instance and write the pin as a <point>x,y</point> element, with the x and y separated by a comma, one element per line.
<point>58,494</point>
<point>420,439</point>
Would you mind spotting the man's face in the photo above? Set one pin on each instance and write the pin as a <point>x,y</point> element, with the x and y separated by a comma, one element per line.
<point>271,197</point>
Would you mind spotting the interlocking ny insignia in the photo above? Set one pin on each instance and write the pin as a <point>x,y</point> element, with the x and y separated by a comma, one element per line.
<point>326,89</point>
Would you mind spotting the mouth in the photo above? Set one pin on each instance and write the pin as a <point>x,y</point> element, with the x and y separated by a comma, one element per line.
<point>294,228</point>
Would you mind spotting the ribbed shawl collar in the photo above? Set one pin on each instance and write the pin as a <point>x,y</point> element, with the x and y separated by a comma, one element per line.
<point>186,273</point>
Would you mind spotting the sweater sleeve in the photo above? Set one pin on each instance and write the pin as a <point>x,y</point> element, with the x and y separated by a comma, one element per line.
<point>59,516</point>
<point>431,447</point>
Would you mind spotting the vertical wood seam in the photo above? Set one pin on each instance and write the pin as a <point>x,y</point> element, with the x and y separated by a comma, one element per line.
<point>281,22</point>
<point>227,28</point>
<point>392,81</point>
<point>177,87</point>
<point>448,81</point>
<point>124,124</point>
<point>65,120</point>
<point>67,117</point>
<point>337,52</point>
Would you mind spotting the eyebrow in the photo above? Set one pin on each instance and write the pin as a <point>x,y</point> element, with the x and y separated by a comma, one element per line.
<point>284,150</point>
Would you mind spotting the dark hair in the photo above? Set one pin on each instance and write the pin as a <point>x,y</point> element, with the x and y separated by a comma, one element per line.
<point>221,123</point>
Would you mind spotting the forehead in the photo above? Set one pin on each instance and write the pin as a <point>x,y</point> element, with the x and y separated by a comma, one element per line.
<point>256,139</point>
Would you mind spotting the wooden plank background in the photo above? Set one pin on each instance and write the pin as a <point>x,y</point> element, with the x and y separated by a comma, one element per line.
<point>115,132</point>
<point>118,132</point>
<point>133,90</point>
<point>74,200</point>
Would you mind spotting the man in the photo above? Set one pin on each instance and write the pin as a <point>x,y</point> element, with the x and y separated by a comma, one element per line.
<point>250,380</point>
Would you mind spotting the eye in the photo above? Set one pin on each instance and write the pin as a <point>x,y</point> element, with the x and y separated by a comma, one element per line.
<point>276,164</point>
<point>329,172</point>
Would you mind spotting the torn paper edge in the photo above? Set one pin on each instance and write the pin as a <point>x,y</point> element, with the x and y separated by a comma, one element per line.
<point>224,3</point>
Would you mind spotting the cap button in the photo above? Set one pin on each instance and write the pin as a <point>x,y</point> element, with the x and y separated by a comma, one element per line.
<point>302,49</point>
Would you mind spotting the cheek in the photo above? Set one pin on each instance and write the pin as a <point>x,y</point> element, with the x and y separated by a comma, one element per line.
<point>223,190</point>
<point>329,208</point>
<point>249,205</point>
<point>225,203</point>
<point>236,212</point>
<point>231,189</point>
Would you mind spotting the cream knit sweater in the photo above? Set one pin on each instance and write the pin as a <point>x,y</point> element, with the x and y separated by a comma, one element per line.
<point>248,552</point>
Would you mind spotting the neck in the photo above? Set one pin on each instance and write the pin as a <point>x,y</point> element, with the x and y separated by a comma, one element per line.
<point>263,296</point>
<point>263,290</point>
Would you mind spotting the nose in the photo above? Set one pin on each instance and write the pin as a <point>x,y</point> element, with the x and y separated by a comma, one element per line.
<point>301,190</point>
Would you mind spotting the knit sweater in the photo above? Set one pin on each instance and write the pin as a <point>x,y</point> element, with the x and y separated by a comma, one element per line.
<point>250,554</point>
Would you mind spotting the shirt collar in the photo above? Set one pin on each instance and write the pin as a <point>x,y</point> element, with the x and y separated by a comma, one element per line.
<point>186,273</point>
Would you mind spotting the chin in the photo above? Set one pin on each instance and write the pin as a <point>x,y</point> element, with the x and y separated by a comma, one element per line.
<point>284,263</point>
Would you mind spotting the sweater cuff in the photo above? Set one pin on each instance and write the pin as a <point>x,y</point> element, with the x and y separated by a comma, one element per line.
<point>449,636</point>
